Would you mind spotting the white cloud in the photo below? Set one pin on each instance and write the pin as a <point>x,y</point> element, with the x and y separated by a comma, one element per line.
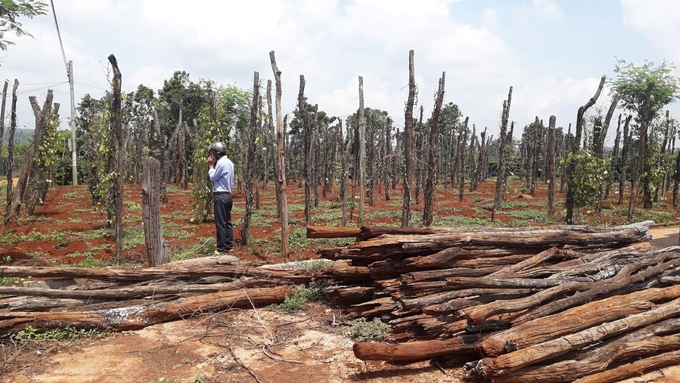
<point>548,10</point>
<point>658,20</point>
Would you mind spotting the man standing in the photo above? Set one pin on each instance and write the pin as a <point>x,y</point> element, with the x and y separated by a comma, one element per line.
<point>221,173</point>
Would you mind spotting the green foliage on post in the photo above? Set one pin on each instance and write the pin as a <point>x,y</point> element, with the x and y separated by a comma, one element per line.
<point>588,178</point>
<point>227,110</point>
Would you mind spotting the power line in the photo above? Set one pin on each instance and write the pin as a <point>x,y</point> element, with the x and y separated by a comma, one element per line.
<point>56,23</point>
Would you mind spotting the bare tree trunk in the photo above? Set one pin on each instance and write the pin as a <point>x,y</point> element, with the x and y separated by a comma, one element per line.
<point>41,117</point>
<point>388,154</point>
<point>344,176</point>
<point>2,114</point>
<point>614,168</point>
<point>502,156</point>
<point>306,147</point>
<point>625,148</point>
<point>314,147</point>
<point>431,183</point>
<point>642,155</point>
<point>550,158</point>
<point>249,168</point>
<point>10,158</point>
<point>461,174</point>
<point>157,248</point>
<point>362,152</point>
<point>575,148</point>
<point>119,156</point>
<point>281,197</point>
<point>408,142</point>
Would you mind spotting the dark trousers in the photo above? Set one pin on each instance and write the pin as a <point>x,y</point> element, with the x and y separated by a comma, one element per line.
<point>223,226</point>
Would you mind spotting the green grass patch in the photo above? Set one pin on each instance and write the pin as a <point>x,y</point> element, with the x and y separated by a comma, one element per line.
<point>204,246</point>
<point>529,214</point>
<point>92,234</point>
<point>374,330</point>
<point>66,333</point>
<point>302,295</point>
<point>132,237</point>
<point>9,281</point>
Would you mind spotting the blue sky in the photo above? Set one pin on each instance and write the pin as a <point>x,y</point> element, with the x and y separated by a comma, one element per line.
<point>553,52</point>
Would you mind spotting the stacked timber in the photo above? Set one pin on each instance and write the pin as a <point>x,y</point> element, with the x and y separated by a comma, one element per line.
<point>130,299</point>
<point>559,303</point>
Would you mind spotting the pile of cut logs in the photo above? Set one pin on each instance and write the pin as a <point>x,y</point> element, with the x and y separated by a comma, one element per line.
<point>557,303</point>
<point>548,304</point>
<point>130,299</point>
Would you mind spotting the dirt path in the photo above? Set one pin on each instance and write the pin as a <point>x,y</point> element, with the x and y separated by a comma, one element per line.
<point>664,236</point>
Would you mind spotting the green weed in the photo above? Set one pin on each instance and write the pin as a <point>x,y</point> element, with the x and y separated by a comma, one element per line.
<point>304,294</point>
<point>68,332</point>
<point>369,331</point>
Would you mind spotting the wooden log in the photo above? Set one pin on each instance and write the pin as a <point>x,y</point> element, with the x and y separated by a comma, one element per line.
<point>535,239</point>
<point>441,274</point>
<point>136,291</point>
<point>503,283</point>
<point>634,369</point>
<point>234,271</point>
<point>444,257</point>
<point>373,308</point>
<point>597,290</point>
<point>510,362</point>
<point>44,304</point>
<point>529,262</point>
<point>414,351</point>
<point>350,295</point>
<point>134,318</point>
<point>446,296</point>
<point>368,232</point>
<point>332,232</point>
<point>647,341</point>
<point>478,314</point>
<point>575,319</point>
<point>343,271</point>
<point>462,305</point>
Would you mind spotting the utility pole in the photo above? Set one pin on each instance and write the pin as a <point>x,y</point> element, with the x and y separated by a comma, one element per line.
<point>74,157</point>
<point>69,73</point>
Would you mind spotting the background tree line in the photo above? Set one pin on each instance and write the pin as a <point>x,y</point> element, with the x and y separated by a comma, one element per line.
<point>176,123</point>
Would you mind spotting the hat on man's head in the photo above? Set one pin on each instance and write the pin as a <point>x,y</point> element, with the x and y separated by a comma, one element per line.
<point>217,147</point>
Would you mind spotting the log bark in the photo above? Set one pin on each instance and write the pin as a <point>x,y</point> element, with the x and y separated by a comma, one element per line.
<point>281,196</point>
<point>232,271</point>
<point>134,292</point>
<point>157,248</point>
<point>575,319</point>
<point>598,290</point>
<point>118,165</point>
<point>134,318</point>
<point>587,290</point>
<point>534,354</point>
<point>414,351</point>
<point>647,341</point>
<point>634,369</point>
<point>332,232</point>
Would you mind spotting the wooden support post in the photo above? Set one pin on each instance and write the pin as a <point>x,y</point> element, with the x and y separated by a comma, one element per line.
<point>157,249</point>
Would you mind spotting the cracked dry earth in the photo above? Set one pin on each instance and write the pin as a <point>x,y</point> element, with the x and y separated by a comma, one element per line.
<point>246,346</point>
